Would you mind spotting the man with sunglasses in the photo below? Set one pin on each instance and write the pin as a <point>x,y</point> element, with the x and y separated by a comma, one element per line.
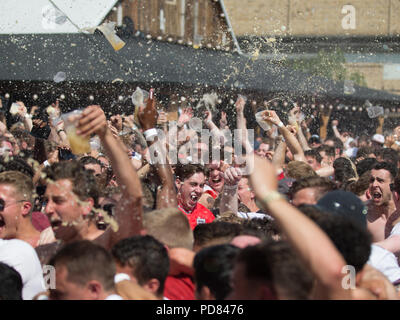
<point>16,205</point>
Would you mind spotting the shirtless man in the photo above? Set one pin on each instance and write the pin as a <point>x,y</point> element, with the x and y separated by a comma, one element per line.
<point>382,207</point>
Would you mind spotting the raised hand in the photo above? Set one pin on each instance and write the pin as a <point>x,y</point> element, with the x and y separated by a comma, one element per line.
<point>223,122</point>
<point>22,109</point>
<point>185,116</point>
<point>232,176</point>
<point>240,104</point>
<point>148,115</point>
<point>271,116</point>
<point>93,120</point>
<point>292,129</point>
<point>263,176</point>
<point>116,121</point>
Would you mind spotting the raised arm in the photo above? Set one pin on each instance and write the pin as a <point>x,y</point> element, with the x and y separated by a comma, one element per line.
<point>312,245</point>
<point>278,158</point>
<point>242,125</point>
<point>323,130</point>
<point>216,134</point>
<point>128,213</point>
<point>229,199</point>
<point>381,121</point>
<point>336,131</point>
<point>290,139</point>
<point>166,195</point>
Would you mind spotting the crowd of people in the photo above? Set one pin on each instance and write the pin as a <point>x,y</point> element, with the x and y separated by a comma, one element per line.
<point>153,211</point>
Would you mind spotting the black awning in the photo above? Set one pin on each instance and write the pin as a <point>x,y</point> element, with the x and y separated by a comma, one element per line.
<point>90,58</point>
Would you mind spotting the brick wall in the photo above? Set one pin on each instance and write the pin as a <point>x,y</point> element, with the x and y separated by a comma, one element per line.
<point>312,17</point>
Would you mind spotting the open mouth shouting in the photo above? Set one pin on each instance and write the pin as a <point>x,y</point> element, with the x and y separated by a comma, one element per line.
<point>55,224</point>
<point>377,195</point>
<point>193,199</point>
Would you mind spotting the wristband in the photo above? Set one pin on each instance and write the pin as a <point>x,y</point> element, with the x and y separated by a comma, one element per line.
<point>46,164</point>
<point>272,196</point>
<point>150,133</point>
<point>121,277</point>
<point>280,124</point>
<point>28,116</point>
<point>58,131</point>
<point>334,127</point>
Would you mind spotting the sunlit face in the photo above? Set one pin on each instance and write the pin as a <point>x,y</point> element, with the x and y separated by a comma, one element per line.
<point>305,196</point>
<point>263,150</point>
<point>190,190</point>
<point>313,163</point>
<point>12,215</point>
<point>67,290</point>
<point>6,148</point>
<point>216,180</point>
<point>379,187</point>
<point>245,194</point>
<point>326,159</point>
<point>64,209</point>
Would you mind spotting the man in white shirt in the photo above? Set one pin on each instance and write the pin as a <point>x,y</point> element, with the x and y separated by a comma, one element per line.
<point>23,258</point>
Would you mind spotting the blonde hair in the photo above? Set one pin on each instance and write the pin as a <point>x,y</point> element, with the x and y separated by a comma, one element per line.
<point>22,184</point>
<point>299,169</point>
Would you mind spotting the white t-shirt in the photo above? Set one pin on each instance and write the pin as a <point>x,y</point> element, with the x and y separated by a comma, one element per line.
<point>114,297</point>
<point>384,261</point>
<point>395,230</point>
<point>253,215</point>
<point>22,257</point>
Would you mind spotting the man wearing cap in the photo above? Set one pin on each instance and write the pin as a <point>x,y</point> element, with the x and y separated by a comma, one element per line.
<point>346,204</point>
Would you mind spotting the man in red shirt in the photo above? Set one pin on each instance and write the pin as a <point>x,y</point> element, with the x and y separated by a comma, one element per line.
<point>190,180</point>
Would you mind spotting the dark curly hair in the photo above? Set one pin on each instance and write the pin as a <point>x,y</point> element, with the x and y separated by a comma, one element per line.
<point>351,240</point>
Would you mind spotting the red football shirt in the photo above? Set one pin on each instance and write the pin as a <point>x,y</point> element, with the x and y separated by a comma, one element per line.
<point>179,287</point>
<point>199,215</point>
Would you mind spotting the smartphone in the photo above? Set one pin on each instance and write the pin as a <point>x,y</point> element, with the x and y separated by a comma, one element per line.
<point>65,154</point>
